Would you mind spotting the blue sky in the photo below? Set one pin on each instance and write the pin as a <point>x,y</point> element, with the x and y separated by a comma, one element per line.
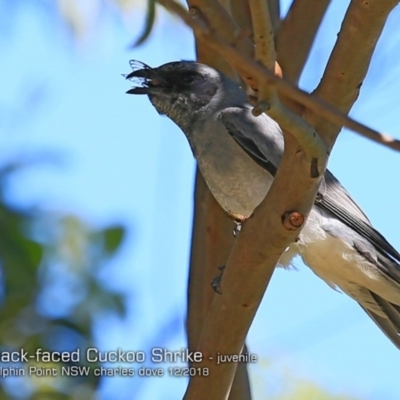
<point>121,161</point>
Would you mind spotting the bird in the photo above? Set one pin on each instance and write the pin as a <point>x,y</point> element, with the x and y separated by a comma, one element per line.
<point>238,155</point>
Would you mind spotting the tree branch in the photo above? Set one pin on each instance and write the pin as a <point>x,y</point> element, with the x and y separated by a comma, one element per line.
<point>348,65</point>
<point>249,269</point>
<point>220,22</point>
<point>240,12</point>
<point>252,72</point>
<point>269,102</point>
<point>212,240</point>
<point>263,33</point>
<point>275,13</point>
<point>276,223</point>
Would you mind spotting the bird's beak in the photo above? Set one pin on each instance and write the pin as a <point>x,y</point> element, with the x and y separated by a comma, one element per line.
<point>149,79</point>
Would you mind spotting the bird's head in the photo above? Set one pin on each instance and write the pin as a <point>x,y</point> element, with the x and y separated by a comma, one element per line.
<point>177,89</point>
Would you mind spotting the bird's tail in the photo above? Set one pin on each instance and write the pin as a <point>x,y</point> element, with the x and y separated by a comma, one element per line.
<point>390,325</point>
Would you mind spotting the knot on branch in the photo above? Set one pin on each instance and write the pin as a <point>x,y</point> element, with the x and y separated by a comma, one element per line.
<point>193,11</point>
<point>292,220</point>
<point>261,107</point>
<point>200,20</point>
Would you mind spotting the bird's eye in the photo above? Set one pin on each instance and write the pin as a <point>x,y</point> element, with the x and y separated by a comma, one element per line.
<point>189,78</point>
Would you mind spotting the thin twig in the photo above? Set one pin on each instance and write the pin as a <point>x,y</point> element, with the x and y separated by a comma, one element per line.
<point>220,22</point>
<point>265,52</point>
<point>240,12</point>
<point>268,100</point>
<point>263,33</point>
<point>346,68</point>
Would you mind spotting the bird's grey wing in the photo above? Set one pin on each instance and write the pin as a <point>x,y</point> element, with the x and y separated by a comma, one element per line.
<point>368,242</point>
<point>336,201</point>
<point>390,326</point>
<point>334,190</point>
<point>261,137</point>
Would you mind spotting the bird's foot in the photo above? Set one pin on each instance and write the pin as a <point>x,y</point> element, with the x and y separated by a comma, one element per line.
<point>216,282</point>
<point>237,229</point>
<point>239,220</point>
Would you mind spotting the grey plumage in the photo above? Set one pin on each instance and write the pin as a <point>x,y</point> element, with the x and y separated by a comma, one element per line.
<point>238,155</point>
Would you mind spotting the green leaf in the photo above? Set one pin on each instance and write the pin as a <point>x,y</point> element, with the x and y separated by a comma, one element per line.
<point>113,237</point>
<point>34,252</point>
<point>148,27</point>
<point>118,304</point>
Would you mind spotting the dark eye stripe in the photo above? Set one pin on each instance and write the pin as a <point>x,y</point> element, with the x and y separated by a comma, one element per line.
<point>188,78</point>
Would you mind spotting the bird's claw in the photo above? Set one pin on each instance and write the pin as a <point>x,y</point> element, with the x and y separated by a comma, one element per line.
<point>237,229</point>
<point>216,282</point>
